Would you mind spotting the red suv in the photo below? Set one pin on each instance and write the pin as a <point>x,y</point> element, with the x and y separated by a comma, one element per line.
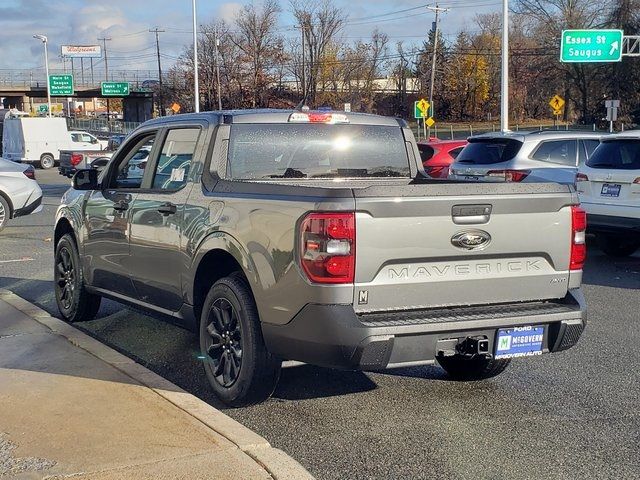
<point>437,155</point>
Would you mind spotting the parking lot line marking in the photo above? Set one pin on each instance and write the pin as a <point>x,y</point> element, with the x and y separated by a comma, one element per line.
<point>23,259</point>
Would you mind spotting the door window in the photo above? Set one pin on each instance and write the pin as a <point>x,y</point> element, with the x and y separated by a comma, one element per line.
<point>129,172</point>
<point>557,151</point>
<point>175,159</point>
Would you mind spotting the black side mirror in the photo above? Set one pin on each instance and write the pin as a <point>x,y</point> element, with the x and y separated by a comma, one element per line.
<point>86,179</point>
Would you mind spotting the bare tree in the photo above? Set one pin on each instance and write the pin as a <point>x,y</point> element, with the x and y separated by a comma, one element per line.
<point>257,39</point>
<point>321,23</point>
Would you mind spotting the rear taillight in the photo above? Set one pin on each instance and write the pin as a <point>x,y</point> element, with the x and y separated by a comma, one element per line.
<point>76,158</point>
<point>328,247</point>
<point>578,244</point>
<point>581,177</point>
<point>509,175</point>
<point>30,173</point>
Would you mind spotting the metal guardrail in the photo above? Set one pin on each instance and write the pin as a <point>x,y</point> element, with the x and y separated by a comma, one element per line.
<point>102,127</point>
<point>461,132</point>
<point>35,78</point>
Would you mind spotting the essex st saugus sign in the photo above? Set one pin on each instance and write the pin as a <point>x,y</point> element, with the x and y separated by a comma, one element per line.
<point>591,46</point>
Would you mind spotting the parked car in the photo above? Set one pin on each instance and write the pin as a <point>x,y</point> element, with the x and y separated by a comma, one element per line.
<point>87,140</point>
<point>541,156</point>
<point>609,189</point>
<point>39,140</point>
<point>73,160</point>
<point>20,194</point>
<point>313,236</point>
<point>438,155</point>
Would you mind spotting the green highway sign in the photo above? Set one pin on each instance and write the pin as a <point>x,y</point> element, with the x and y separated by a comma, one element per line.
<point>115,89</point>
<point>60,85</point>
<point>44,108</point>
<point>591,46</point>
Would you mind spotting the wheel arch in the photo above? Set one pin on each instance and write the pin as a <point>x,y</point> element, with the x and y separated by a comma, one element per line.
<point>218,257</point>
<point>9,202</point>
<point>63,227</point>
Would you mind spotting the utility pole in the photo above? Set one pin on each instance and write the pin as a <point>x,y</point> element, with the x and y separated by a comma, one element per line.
<point>104,41</point>
<point>435,30</point>
<point>160,101</point>
<point>304,67</point>
<point>504,88</point>
<point>217,44</point>
<point>196,86</point>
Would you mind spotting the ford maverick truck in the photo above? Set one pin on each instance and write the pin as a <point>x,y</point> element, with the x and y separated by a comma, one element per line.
<point>318,237</point>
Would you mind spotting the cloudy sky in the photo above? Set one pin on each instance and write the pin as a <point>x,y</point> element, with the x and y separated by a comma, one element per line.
<point>127,22</point>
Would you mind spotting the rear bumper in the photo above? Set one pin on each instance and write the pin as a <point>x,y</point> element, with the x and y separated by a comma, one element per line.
<point>335,336</point>
<point>611,224</point>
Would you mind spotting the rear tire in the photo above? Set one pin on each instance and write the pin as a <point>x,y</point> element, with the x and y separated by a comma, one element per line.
<point>75,303</point>
<point>479,368</point>
<point>616,246</point>
<point>240,369</point>
<point>47,161</point>
<point>5,212</point>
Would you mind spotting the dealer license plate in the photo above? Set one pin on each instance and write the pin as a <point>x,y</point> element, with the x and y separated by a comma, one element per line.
<point>610,190</point>
<point>519,341</point>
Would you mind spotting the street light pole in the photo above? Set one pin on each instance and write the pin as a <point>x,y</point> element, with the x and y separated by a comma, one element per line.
<point>217,44</point>
<point>196,89</point>
<point>43,38</point>
<point>504,90</point>
<point>433,62</point>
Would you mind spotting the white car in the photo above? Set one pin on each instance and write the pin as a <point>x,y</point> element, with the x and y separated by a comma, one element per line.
<point>609,188</point>
<point>20,194</point>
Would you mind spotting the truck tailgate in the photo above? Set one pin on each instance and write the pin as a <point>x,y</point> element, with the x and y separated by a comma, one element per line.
<point>421,246</point>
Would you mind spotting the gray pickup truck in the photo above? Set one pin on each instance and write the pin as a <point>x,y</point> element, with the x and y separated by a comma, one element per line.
<point>317,237</point>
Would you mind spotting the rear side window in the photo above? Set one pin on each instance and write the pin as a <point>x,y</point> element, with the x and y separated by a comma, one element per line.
<point>487,151</point>
<point>455,152</point>
<point>263,151</point>
<point>175,159</point>
<point>617,154</point>
<point>557,151</point>
<point>426,152</point>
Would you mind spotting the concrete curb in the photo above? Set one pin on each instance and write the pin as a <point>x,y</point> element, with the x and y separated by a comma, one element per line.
<point>276,462</point>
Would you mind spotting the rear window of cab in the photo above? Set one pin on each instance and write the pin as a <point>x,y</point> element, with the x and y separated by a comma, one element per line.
<point>622,154</point>
<point>264,151</point>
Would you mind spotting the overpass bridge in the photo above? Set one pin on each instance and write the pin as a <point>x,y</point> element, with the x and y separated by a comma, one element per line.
<point>137,106</point>
<point>19,88</point>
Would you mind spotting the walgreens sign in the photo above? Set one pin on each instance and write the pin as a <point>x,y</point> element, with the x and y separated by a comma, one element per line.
<point>85,51</point>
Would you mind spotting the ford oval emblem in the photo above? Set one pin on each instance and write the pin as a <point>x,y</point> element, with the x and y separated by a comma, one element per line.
<point>471,240</point>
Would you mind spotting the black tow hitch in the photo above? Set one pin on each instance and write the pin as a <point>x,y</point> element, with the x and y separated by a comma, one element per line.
<point>467,347</point>
<point>472,346</point>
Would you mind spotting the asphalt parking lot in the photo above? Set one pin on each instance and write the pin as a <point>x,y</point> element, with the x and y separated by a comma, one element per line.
<point>567,415</point>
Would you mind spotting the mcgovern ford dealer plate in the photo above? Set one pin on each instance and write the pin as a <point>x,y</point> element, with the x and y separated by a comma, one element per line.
<point>519,341</point>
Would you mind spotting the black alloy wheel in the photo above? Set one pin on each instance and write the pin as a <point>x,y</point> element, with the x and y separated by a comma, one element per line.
<point>224,345</point>
<point>74,302</point>
<point>65,278</point>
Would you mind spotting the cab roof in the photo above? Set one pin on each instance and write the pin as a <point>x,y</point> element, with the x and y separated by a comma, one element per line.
<point>274,116</point>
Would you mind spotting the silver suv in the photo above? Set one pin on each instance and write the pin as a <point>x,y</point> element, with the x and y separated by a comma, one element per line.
<point>545,156</point>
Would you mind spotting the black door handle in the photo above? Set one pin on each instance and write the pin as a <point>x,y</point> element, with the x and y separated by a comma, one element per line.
<point>167,208</point>
<point>121,206</point>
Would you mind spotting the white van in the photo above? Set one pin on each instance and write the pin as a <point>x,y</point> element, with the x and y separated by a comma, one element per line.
<point>39,140</point>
